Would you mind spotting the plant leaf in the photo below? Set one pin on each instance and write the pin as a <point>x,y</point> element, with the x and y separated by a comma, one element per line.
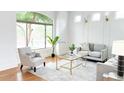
<point>55,40</point>
<point>50,40</point>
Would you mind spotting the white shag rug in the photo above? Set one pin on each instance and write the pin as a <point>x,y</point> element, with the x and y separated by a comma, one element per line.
<point>80,73</point>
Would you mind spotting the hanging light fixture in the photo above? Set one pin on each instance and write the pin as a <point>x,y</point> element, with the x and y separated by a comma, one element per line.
<point>85,20</point>
<point>106,16</point>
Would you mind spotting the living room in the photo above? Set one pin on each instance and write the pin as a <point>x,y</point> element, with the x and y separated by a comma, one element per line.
<point>73,27</point>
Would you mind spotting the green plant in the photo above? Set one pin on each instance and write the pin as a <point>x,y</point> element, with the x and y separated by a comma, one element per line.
<point>53,42</point>
<point>72,47</point>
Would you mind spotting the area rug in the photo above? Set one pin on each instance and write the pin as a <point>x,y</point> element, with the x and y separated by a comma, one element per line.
<point>80,73</point>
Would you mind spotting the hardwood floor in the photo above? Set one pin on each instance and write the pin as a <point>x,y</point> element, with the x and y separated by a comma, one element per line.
<point>51,59</point>
<point>14,74</point>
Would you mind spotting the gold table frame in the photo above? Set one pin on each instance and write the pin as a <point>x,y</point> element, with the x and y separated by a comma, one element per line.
<point>71,59</point>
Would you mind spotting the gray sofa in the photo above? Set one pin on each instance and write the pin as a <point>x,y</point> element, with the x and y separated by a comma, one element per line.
<point>97,52</point>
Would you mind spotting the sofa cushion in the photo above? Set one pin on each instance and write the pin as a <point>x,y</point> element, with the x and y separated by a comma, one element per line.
<point>95,54</point>
<point>98,47</point>
<point>83,53</point>
<point>36,59</point>
<point>85,47</point>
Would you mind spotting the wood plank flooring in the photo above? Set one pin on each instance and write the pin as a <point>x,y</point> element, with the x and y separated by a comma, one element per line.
<point>14,74</point>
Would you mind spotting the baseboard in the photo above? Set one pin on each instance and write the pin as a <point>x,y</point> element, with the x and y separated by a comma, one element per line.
<point>8,67</point>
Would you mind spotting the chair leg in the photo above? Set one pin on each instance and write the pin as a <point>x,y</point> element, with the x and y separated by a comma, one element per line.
<point>44,64</point>
<point>34,69</point>
<point>21,67</point>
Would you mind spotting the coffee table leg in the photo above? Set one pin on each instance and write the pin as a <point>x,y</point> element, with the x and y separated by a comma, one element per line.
<point>71,67</point>
<point>84,63</point>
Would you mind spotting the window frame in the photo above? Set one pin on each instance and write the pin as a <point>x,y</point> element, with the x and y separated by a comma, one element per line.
<point>44,24</point>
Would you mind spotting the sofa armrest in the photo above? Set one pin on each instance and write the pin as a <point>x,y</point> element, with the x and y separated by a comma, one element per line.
<point>103,68</point>
<point>104,54</point>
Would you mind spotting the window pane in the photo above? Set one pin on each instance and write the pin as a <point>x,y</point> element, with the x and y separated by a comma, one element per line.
<point>96,17</point>
<point>21,34</point>
<point>120,15</point>
<point>48,33</point>
<point>37,37</point>
<point>29,17</point>
<point>77,19</point>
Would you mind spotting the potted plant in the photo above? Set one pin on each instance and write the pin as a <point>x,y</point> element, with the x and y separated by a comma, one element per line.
<point>72,48</point>
<point>53,42</point>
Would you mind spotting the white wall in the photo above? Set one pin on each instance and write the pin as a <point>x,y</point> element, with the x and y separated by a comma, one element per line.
<point>7,40</point>
<point>95,31</point>
<point>84,32</point>
<point>62,25</point>
<point>62,30</point>
<point>75,29</point>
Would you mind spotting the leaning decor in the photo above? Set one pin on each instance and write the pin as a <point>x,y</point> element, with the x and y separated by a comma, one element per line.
<point>53,42</point>
<point>118,49</point>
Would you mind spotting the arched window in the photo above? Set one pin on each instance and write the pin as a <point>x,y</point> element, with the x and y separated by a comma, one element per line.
<point>32,29</point>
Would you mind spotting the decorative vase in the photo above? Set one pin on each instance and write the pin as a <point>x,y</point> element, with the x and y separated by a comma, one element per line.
<point>72,53</point>
<point>120,66</point>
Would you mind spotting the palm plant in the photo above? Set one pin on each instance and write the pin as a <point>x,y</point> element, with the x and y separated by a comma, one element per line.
<point>53,42</point>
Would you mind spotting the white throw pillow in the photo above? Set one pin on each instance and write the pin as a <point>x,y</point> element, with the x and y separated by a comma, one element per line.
<point>31,54</point>
<point>95,54</point>
<point>85,46</point>
<point>113,61</point>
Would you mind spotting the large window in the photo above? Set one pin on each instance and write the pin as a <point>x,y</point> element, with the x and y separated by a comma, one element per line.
<point>33,29</point>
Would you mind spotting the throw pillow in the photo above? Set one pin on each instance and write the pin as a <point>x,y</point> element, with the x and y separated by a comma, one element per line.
<point>85,47</point>
<point>98,47</point>
<point>37,55</point>
<point>112,61</point>
<point>31,54</point>
<point>91,46</point>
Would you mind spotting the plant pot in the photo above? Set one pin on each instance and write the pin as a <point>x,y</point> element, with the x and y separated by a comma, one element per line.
<point>52,55</point>
<point>71,52</point>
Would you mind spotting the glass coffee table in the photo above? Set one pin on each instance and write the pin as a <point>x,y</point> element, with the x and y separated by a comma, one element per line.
<point>71,59</point>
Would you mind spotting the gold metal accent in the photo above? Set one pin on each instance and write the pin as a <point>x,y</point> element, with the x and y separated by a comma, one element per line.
<point>71,60</point>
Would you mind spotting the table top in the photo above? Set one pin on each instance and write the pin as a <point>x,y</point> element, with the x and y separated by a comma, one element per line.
<point>70,57</point>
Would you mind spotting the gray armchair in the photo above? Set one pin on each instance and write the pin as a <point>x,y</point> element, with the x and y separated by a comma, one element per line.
<point>29,58</point>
